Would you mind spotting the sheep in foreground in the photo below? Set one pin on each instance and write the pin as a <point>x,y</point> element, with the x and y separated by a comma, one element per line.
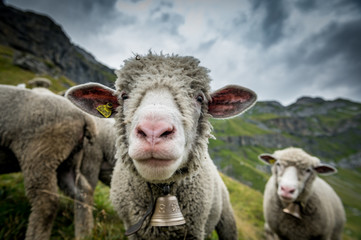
<point>297,203</point>
<point>52,142</point>
<point>162,105</point>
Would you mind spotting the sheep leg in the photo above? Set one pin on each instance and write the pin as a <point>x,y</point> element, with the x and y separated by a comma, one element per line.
<point>83,208</point>
<point>83,205</point>
<point>226,227</point>
<point>42,192</point>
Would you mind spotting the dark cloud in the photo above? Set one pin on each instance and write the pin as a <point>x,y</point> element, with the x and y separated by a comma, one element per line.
<point>274,19</point>
<point>336,40</point>
<point>333,54</point>
<point>81,18</point>
<point>329,5</point>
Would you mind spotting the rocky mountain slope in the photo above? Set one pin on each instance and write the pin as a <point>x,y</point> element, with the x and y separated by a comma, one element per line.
<point>41,46</point>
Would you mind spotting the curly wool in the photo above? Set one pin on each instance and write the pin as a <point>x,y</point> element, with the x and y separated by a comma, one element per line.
<point>203,198</point>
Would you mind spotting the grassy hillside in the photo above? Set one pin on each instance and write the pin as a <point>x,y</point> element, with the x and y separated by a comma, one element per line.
<point>334,136</point>
<point>15,210</point>
<point>13,75</point>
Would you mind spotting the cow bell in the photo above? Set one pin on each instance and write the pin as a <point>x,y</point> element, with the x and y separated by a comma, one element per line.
<point>167,212</point>
<point>293,209</point>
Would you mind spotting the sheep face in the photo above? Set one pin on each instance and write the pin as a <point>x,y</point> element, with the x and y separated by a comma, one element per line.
<point>158,139</point>
<point>291,180</point>
<point>162,105</point>
<point>295,171</point>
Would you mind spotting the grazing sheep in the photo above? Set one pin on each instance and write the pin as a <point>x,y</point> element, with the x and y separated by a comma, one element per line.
<point>39,82</point>
<point>162,105</point>
<point>52,143</point>
<point>297,203</point>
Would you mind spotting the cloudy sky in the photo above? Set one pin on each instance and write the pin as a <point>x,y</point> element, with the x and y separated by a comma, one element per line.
<point>280,49</point>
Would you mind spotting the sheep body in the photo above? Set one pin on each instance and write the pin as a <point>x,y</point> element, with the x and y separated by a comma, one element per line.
<point>45,137</point>
<point>322,215</point>
<point>169,95</point>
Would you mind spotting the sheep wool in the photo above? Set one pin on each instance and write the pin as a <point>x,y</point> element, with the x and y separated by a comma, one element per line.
<point>54,144</point>
<point>297,203</point>
<point>162,105</point>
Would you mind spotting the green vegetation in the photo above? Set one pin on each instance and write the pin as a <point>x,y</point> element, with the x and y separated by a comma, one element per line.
<point>15,210</point>
<point>14,75</point>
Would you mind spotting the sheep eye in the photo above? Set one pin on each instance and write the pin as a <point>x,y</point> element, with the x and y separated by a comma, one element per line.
<point>124,96</point>
<point>200,99</point>
<point>278,164</point>
<point>308,170</point>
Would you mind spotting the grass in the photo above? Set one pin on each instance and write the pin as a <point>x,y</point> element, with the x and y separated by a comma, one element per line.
<point>14,75</point>
<point>15,210</point>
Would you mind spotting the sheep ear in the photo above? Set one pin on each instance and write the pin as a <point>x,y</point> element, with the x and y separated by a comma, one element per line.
<point>267,158</point>
<point>94,98</point>
<point>230,101</point>
<point>325,169</point>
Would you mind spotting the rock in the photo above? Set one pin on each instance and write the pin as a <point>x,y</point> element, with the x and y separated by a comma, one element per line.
<point>42,47</point>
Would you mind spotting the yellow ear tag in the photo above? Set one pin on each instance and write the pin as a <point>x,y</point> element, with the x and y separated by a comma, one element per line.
<point>272,161</point>
<point>105,110</point>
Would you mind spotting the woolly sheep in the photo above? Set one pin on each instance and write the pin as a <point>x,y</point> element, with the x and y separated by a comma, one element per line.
<point>297,203</point>
<point>162,105</point>
<point>52,142</point>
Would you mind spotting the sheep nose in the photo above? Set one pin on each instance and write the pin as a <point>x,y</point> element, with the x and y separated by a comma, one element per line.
<point>154,131</point>
<point>288,190</point>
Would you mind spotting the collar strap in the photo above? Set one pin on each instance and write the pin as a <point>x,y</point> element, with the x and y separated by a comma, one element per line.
<point>135,228</point>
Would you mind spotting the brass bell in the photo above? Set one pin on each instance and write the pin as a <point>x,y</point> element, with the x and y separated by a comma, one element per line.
<point>294,210</point>
<point>167,212</point>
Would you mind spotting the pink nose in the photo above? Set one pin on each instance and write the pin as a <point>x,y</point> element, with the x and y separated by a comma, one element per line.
<point>287,190</point>
<point>154,131</point>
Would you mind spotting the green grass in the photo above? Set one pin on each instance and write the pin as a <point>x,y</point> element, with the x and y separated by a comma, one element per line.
<point>231,127</point>
<point>247,206</point>
<point>14,75</point>
<point>15,210</point>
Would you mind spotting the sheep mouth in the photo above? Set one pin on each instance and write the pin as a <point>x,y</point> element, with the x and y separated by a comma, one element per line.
<point>156,162</point>
<point>286,199</point>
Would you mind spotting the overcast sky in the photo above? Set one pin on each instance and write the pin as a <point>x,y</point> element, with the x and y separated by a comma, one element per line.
<point>280,49</point>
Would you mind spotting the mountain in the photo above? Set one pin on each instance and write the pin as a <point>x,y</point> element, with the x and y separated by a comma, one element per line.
<point>330,130</point>
<point>39,45</point>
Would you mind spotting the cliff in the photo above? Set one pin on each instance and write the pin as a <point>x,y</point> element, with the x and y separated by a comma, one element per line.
<point>40,45</point>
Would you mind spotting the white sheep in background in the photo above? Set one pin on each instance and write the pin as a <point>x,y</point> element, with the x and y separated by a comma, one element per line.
<point>162,105</point>
<point>53,143</point>
<point>297,203</point>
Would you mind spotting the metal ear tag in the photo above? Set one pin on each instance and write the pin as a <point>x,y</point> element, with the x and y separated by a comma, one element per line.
<point>105,110</point>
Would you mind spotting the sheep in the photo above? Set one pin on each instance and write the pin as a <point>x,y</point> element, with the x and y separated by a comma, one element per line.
<point>97,163</point>
<point>297,203</point>
<point>162,105</point>
<point>52,142</point>
<point>39,82</point>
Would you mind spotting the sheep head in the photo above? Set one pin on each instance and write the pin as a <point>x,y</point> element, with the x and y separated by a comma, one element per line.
<point>295,171</point>
<point>162,105</point>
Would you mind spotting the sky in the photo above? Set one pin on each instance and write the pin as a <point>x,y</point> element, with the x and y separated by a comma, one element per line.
<point>281,49</point>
